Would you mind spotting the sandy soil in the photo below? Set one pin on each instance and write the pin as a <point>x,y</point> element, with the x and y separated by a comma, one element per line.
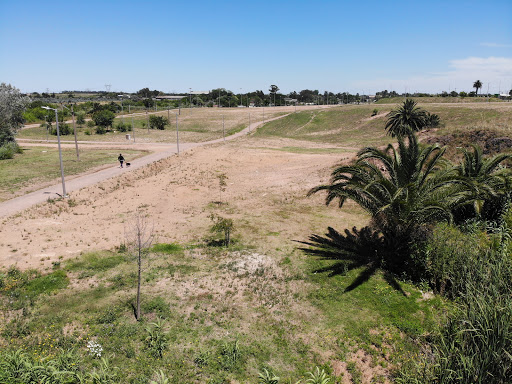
<point>265,193</point>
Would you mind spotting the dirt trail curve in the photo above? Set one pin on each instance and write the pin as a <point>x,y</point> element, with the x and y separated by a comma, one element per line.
<point>18,204</point>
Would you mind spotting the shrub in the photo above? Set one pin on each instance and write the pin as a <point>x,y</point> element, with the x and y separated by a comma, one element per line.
<point>7,151</point>
<point>80,118</point>
<point>90,124</point>
<point>157,340</point>
<point>158,122</point>
<point>123,127</point>
<point>447,251</point>
<point>103,118</point>
<point>64,130</point>
<point>222,225</point>
<point>375,112</point>
<point>100,130</point>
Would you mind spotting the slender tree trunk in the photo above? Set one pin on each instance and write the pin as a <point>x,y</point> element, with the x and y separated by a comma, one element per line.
<point>138,281</point>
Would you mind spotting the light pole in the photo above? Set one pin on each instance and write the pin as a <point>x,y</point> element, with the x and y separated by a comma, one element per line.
<point>177,136</point>
<point>122,110</point>
<point>74,130</point>
<point>60,151</point>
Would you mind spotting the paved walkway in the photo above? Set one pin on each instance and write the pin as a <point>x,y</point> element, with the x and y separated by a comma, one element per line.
<point>18,204</point>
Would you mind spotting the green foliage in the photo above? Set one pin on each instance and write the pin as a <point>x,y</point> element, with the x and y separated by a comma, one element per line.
<point>375,112</point>
<point>402,190</point>
<point>319,376</point>
<point>266,377</point>
<point>407,118</point>
<point>94,262</point>
<point>8,150</point>
<point>103,118</point>
<point>123,127</point>
<point>12,106</point>
<point>161,378</point>
<point>168,248</point>
<point>80,118</point>
<point>64,129</point>
<point>156,340</point>
<point>222,225</point>
<point>446,253</point>
<point>158,122</point>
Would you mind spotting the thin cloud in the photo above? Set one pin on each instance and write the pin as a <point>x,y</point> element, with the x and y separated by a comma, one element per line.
<point>496,45</point>
<point>495,72</point>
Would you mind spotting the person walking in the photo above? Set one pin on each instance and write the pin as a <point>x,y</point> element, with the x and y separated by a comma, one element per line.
<point>121,159</point>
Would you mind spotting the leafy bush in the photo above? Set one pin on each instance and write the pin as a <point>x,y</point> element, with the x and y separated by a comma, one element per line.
<point>64,130</point>
<point>158,122</point>
<point>100,130</point>
<point>80,118</point>
<point>90,124</point>
<point>447,251</point>
<point>103,118</point>
<point>123,127</point>
<point>7,151</point>
<point>222,225</point>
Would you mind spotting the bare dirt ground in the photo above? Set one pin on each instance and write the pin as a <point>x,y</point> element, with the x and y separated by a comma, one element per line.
<point>265,193</point>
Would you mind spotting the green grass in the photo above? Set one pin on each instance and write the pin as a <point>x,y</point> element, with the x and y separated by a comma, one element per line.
<point>40,165</point>
<point>438,99</point>
<point>224,322</point>
<point>346,125</point>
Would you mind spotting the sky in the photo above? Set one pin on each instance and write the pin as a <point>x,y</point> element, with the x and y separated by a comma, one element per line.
<point>174,46</point>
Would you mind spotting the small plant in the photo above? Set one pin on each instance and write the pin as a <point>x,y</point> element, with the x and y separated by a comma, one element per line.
<point>222,185</point>
<point>161,378</point>
<point>230,354</point>
<point>318,377</point>
<point>87,132</point>
<point>266,377</point>
<point>157,340</point>
<point>202,359</point>
<point>80,118</point>
<point>90,124</point>
<point>95,349</point>
<point>222,225</point>
<point>375,112</point>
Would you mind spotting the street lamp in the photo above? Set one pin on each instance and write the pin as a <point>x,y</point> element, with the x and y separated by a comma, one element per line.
<point>60,151</point>
<point>74,130</point>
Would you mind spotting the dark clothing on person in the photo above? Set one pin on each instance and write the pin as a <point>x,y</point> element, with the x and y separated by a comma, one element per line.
<point>121,160</point>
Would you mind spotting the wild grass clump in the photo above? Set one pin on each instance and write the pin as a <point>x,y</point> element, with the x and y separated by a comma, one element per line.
<point>168,248</point>
<point>7,151</point>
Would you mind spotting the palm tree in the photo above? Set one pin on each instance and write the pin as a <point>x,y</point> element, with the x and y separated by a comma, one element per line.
<point>406,118</point>
<point>477,85</point>
<point>402,189</point>
<point>489,184</point>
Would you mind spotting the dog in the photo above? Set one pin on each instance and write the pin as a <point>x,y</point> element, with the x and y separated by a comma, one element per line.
<point>127,165</point>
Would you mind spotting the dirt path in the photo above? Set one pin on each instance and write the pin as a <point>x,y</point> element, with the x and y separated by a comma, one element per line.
<point>160,151</point>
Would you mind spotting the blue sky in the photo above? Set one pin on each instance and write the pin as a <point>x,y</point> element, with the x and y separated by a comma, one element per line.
<point>172,46</point>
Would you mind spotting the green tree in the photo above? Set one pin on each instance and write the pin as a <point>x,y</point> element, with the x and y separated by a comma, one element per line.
<point>12,106</point>
<point>489,184</point>
<point>274,89</point>
<point>103,118</point>
<point>408,117</point>
<point>477,85</point>
<point>158,122</point>
<point>402,189</point>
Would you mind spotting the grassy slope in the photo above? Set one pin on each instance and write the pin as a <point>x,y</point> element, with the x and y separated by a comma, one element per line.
<point>285,317</point>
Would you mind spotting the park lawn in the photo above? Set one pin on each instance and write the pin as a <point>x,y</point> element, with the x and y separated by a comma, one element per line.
<point>37,167</point>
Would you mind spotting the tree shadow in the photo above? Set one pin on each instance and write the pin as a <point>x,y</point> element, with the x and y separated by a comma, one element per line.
<point>352,249</point>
